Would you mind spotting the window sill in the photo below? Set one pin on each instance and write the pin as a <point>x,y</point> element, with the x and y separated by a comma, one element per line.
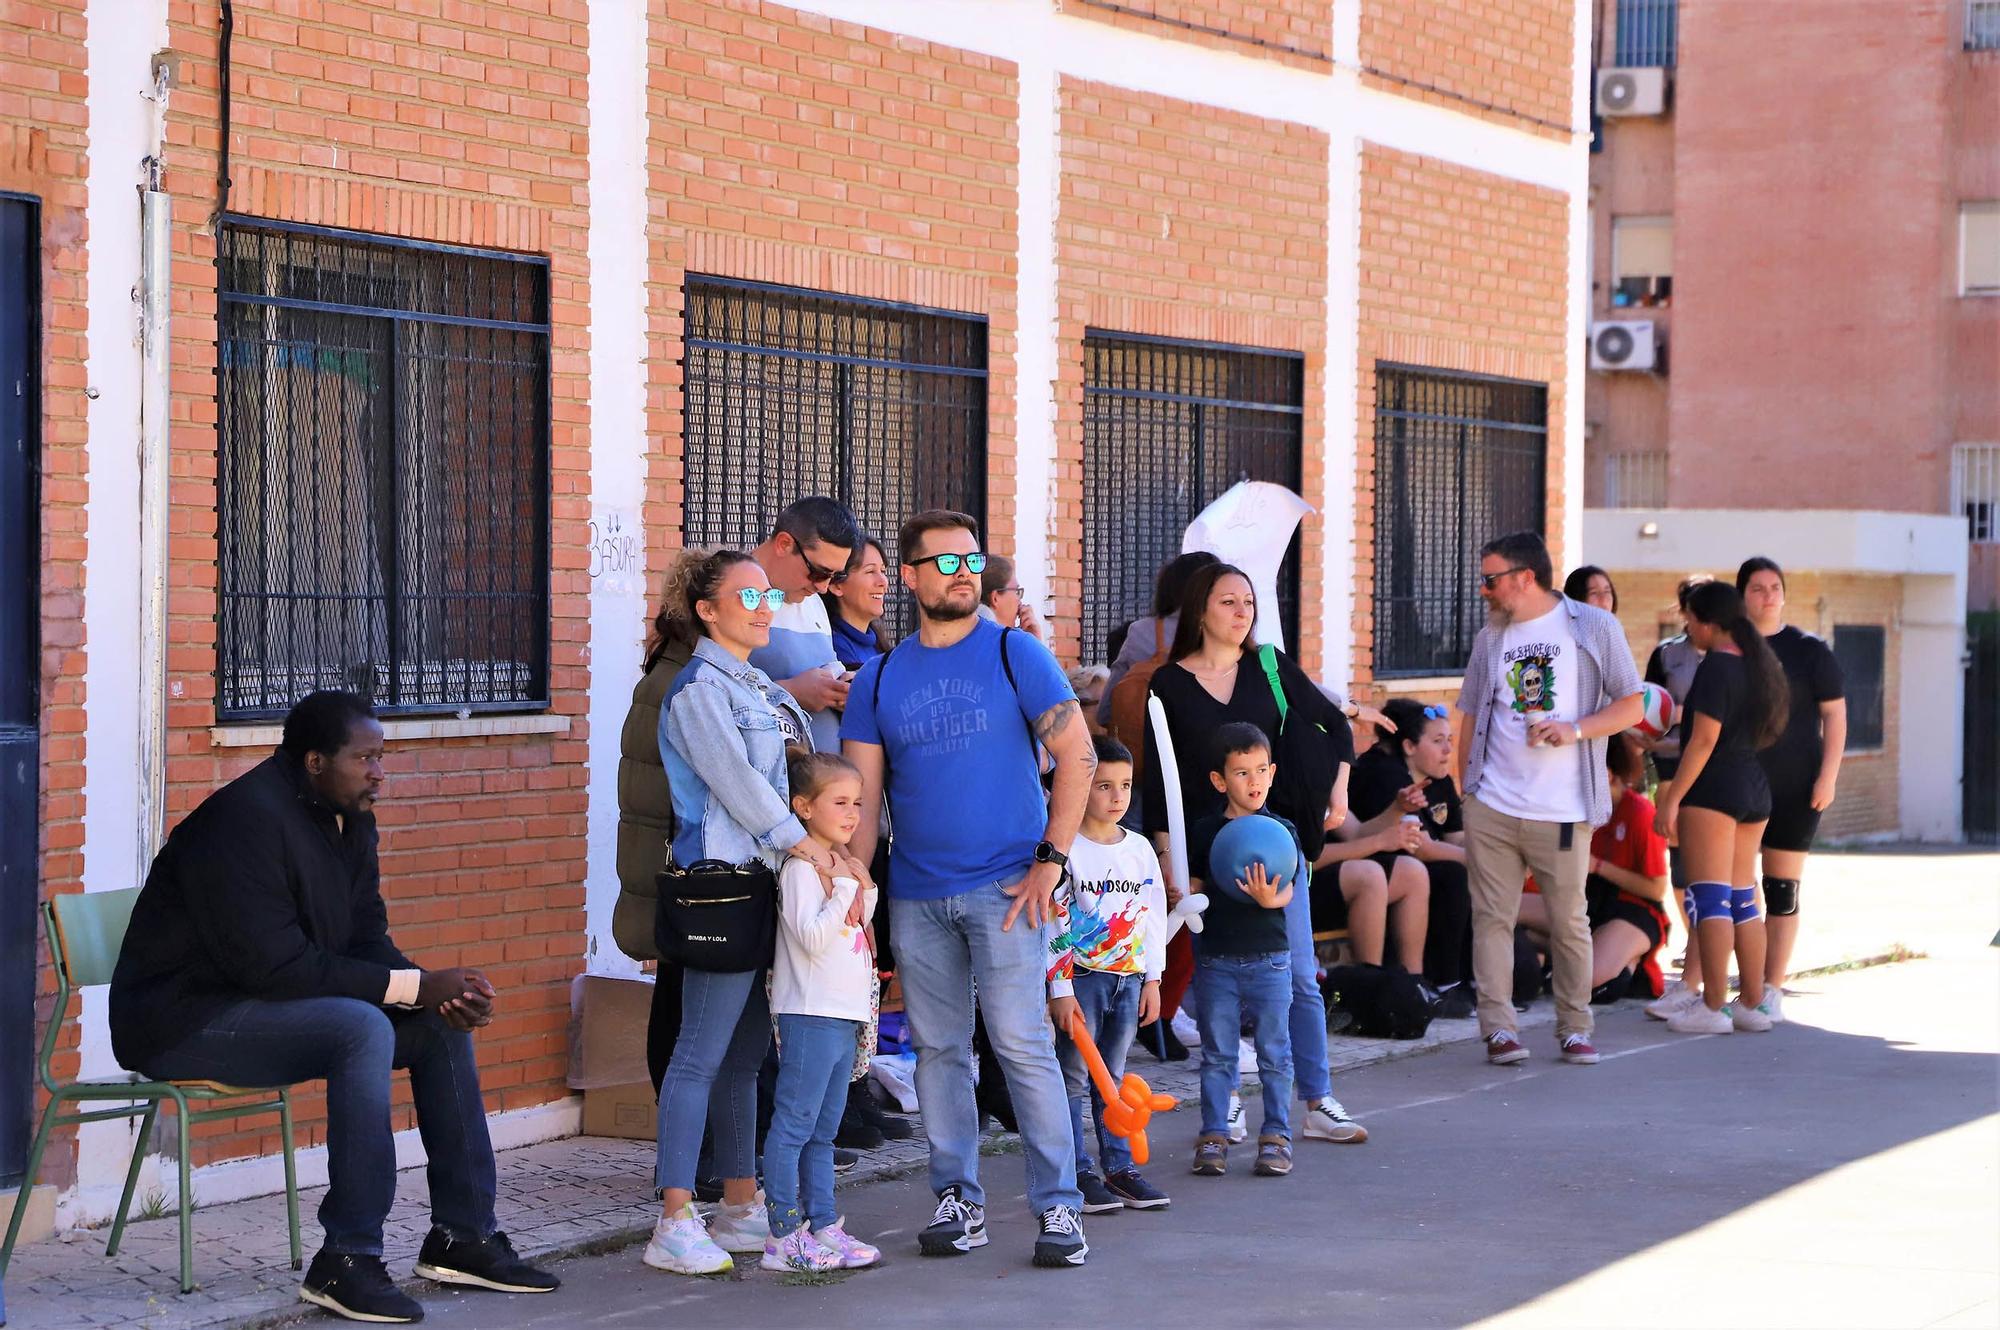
<point>1405,686</point>
<point>404,731</point>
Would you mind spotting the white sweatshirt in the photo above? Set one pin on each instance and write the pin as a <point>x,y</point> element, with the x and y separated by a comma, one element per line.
<point>824,967</point>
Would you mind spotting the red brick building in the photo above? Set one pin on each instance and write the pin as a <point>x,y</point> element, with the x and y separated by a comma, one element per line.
<point>454,317</point>
<point>1795,346</point>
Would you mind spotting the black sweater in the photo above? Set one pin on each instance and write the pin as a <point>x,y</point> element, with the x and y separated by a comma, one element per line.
<point>259,893</point>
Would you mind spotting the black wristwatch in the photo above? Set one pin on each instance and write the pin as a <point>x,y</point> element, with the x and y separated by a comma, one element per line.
<point>1047,853</point>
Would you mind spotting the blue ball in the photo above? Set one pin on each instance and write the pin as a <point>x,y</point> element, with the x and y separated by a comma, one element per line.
<point>1246,841</point>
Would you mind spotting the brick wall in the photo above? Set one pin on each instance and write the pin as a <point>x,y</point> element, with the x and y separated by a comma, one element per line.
<point>1182,221</point>
<point>43,146</point>
<point>1459,271</point>
<point>1509,61</point>
<point>788,148</point>
<point>1295,32</point>
<point>1869,794</point>
<point>467,131</point>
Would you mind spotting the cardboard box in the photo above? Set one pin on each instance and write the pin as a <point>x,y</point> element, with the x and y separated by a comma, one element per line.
<point>628,1112</point>
<point>608,1015</point>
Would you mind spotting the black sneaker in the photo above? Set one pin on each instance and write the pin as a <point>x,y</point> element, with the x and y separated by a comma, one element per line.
<point>358,1288</point>
<point>1455,1003</point>
<point>844,1160</point>
<point>1098,1199</point>
<point>1157,1038</point>
<point>1060,1242</point>
<point>1134,1192</point>
<point>889,1125</point>
<point>856,1133</point>
<point>489,1264</point>
<point>958,1226</point>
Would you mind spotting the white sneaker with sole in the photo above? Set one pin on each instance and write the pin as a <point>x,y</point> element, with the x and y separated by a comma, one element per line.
<point>1698,1019</point>
<point>1773,1004</point>
<point>742,1229</point>
<point>1675,999</point>
<point>1186,1030</point>
<point>1246,1061</point>
<point>1326,1120</point>
<point>681,1245</point>
<point>798,1252</point>
<point>1749,1019</point>
<point>1239,1129</point>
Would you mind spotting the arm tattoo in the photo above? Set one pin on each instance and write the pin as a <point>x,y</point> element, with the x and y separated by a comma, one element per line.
<point>1053,721</point>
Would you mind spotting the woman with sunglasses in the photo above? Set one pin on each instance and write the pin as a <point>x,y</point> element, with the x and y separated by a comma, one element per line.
<point>1214,677</point>
<point>724,735</point>
<point>1405,781</point>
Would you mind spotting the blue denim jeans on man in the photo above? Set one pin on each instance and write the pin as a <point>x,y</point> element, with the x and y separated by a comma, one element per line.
<point>1234,990</point>
<point>1312,1076</point>
<point>943,948</point>
<point>725,1032</point>
<point>353,1046</point>
<point>815,1061</point>
<point>1110,1004</point>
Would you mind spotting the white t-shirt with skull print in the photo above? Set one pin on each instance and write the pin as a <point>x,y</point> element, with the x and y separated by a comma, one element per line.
<point>1535,681</point>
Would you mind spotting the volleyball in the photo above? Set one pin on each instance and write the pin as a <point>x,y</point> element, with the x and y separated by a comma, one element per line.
<point>1659,714</point>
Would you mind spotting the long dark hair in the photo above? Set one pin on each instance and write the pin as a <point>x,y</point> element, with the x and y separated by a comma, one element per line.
<point>1194,603</point>
<point>1718,605</point>
<point>1577,585</point>
<point>1171,587</point>
<point>694,576</point>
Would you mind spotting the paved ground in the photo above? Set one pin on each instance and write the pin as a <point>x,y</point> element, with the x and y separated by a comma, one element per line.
<point>1420,1181</point>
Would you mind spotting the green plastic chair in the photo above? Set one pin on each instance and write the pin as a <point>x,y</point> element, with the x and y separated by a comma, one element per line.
<point>85,932</point>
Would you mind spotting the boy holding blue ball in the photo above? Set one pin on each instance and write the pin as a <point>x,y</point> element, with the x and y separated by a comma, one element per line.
<point>1248,871</point>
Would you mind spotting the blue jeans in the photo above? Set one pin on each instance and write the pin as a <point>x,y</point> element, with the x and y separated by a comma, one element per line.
<point>1234,989</point>
<point>815,1060</point>
<point>1110,1005</point>
<point>725,1032</point>
<point>1310,1073</point>
<point>354,1046</point>
<point>943,948</point>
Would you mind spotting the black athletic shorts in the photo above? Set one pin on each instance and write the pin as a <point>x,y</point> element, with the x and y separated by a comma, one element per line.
<point>1794,822</point>
<point>1603,902</point>
<point>1737,789</point>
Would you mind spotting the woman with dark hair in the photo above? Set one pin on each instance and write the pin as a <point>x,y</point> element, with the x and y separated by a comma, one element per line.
<point>855,603</point>
<point>1803,766</point>
<point>1146,638</point>
<point>1216,676</point>
<point>1592,585</point>
<point>1719,803</point>
<point>725,733</point>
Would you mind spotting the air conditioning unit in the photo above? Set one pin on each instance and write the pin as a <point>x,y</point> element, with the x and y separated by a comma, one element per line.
<point>1631,92</point>
<point>1627,344</point>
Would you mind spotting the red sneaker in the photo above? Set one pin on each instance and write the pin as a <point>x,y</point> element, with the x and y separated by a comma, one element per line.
<point>1578,1049</point>
<point>1503,1049</point>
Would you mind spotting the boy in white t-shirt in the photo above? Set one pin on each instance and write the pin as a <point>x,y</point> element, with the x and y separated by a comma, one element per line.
<point>1107,947</point>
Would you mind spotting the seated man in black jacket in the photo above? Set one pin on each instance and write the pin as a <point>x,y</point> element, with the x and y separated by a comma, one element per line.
<point>259,954</point>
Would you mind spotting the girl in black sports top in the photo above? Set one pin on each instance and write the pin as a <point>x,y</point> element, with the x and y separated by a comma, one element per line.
<point>1719,803</point>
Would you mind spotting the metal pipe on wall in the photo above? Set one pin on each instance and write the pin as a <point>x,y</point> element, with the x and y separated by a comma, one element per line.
<point>155,438</point>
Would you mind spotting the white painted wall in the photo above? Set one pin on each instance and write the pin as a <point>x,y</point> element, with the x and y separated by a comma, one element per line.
<point>123,132</point>
<point>1035,358</point>
<point>618,443</point>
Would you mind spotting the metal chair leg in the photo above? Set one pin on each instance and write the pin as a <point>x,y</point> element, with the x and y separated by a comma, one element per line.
<point>187,1195</point>
<point>291,1179</point>
<point>132,1177</point>
<point>28,1181</point>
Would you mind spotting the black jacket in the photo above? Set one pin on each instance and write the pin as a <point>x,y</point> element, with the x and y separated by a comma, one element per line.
<point>259,893</point>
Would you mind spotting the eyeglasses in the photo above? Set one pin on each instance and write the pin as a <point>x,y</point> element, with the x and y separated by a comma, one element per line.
<point>1435,713</point>
<point>949,564</point>
<point>815,574</point>
<point>772,598</point>
<point>1488,579</point>
<point>1015,590</point>
<point>838,579</point>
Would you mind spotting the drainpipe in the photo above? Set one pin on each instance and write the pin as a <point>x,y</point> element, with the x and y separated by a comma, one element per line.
<point>155,401</point>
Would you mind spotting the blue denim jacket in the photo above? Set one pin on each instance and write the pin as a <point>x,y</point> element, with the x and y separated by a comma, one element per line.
<point>723,743</point>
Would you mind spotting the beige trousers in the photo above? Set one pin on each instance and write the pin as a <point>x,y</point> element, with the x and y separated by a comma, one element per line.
<point>1501,852</point>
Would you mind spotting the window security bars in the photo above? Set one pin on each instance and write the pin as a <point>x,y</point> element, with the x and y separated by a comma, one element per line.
<point>383,475</point>
<point>1459,459</point>
<point>792,392</point>
<point>1648,33</point>
<point>1167,427</point>
<point>1860,649</point>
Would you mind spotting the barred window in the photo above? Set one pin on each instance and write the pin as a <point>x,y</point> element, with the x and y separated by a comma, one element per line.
<point>1648,33</point>
<point>792,392</point>
<point>1167,427</point>
<point>383,475</point>
<point>1459,459</point>
<point>1860,649</point>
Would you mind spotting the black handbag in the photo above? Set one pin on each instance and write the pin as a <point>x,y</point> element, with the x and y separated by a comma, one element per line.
<point>716,916</point>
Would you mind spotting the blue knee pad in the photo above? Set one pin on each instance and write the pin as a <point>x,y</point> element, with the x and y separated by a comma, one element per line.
<point>1711,901</point>
<point>1781,894</point>
<point>1743,905</point>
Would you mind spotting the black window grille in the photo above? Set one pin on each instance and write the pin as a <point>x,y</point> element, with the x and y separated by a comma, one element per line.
<point>1167,427</point>
<point>1648,33</point>
<point>792,392</point>
<point>1860,650</point>
<point>383,477</point>
<point>1459,459</point>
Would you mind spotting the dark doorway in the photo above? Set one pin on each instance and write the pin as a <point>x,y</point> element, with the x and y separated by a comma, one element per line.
<point>20,648</point>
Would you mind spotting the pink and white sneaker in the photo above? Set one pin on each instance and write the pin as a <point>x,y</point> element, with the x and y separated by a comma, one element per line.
<point>798,1252</point>
<point>854,1254</point>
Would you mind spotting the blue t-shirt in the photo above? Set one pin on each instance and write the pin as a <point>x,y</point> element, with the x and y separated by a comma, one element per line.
<point>963,781</point>
<point>802,640</point>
